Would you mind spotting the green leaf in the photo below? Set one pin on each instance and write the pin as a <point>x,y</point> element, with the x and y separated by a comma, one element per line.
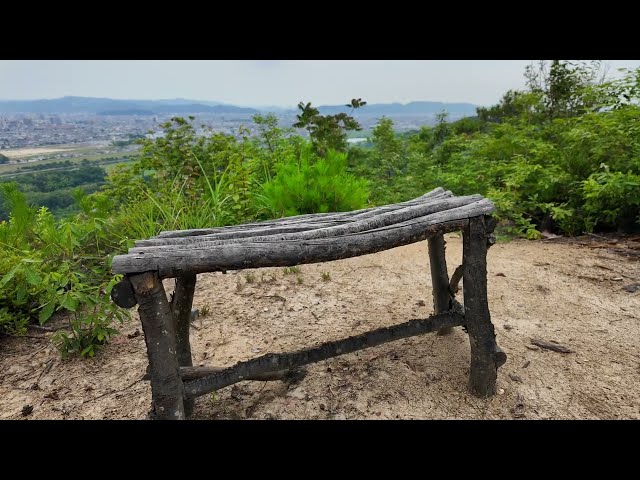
<point>70,303</point>
<point>32,277</point>
<point>88,350</point>
<point>8,276</point>
<point>46,312</point>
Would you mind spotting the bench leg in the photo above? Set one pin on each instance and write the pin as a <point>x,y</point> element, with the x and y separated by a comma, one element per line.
<point>486,357</point>
<point>167,390</point>
<point>181,305</point>
<point>439,278</point>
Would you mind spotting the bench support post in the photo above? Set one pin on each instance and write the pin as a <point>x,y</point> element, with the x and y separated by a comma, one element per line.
<point>439,278</point>
<point>181,305</point>
<point>486,357</point>
<point>167,390</point>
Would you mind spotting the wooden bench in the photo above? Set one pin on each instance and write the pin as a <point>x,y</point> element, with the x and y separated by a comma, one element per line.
<point>298,240</point>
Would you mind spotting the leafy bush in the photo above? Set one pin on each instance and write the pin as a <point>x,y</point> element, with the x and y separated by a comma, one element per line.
<point>51,266</point>
<point>312,184</point>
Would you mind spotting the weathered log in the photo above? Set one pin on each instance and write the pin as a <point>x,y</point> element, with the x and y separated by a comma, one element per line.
<point>181,304</point>
<point>454,284</point>
<point>123,295</point>
<point>280,252</point>
<point>286,361</point>
<point>439,277</point>
<point>307,231</point>
<point>166,384</point>
<point>194,373</point>
<point>320,217</point>
<point>484,351</point>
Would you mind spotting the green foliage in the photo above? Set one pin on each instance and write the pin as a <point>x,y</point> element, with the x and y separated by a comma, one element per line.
<point>291,270</point>
<point>326,276</point>
<point>611,199</point>
<point>49,267</point>
<point>55,190</point>
<point>563,156</point>
<point>312,184</point>
<point>328,132</point>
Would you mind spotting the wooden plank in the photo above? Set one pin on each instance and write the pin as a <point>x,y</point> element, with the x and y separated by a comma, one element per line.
<point>285,361</point>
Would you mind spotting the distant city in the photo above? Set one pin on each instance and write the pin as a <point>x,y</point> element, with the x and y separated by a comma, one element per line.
<point>82,120</point>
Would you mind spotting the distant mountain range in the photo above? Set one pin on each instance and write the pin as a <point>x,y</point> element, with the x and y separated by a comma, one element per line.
<point>110,106</point>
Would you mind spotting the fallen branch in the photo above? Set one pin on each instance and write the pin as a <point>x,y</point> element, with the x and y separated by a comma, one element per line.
<point>551,346</point>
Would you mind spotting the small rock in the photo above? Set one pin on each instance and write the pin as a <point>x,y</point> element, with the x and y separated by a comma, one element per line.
<point>507,327</point>
<point>297,393</point>
<point>500,274</point>
<point>134,334</point>
<point>501,391</point>
<point>632,288</point>
<point>617,279</point>
<point>323,406</point>
<point>265,309</point>
<point>526,364</point>
<point>420,303</point>
<point>532,347</point>
<point>515,378</point>
<point>518,409</point>
<point>27,410</point>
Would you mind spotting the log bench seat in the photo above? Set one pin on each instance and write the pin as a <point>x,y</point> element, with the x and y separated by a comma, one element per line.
<point>301,239</point>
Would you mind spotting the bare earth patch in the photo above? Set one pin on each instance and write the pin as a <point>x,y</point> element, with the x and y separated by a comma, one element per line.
<point>570,294</point>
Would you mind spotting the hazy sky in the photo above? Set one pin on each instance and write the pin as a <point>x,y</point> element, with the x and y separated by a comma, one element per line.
<point>269,82</point>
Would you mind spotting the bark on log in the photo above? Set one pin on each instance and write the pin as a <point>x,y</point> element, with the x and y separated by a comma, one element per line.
<point>280,252</point>
<point>439,278</point>
<point>167,390</point>
<point>454,285</point>
<point>194,373</point>
<point>309,230</point>
<point>123,295</point>
<point>484,356</point>
<point>438,192</point>
<point>181,312</point>
<point>286,361</point>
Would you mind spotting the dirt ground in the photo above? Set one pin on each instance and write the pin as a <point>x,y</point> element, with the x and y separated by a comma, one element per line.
<point>568,292</point>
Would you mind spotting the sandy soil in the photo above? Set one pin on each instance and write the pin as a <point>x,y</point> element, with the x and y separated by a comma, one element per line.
<point>21,153</point>
<point>570,293</point>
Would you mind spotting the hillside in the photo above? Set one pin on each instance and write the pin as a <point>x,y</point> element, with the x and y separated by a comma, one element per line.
<point>570,292</point>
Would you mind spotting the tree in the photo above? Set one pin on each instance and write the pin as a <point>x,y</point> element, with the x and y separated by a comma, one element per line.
<point>389,151</point>
<point>564,86</point>
<point>328,131</point>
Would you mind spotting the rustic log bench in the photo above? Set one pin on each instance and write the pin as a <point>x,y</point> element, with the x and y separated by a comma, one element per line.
<point>298,240</point>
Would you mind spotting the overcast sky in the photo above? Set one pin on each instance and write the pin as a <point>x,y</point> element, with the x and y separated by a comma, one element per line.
<point>269,82</point>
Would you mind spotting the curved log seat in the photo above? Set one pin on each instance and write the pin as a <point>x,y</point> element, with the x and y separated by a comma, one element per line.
<point>302,239</point>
